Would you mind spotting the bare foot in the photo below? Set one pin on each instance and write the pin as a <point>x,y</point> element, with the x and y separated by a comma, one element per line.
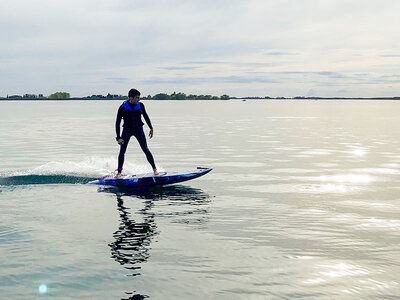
<point>156,172</point>
<point>118,176</point>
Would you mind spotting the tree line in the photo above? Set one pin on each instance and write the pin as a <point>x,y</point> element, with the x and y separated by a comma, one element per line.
<point>183,96</point>
<point>176,96</point>
<point>57,95</point>
<point>160,96</point>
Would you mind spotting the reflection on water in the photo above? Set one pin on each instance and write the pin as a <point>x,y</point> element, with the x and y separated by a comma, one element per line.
<point>132,239</point>
<point>131,246</point>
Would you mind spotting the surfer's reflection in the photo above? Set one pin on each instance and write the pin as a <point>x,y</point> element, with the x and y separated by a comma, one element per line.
<point>133,238</point>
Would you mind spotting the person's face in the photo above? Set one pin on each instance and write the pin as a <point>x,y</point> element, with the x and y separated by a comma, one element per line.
<point>135,100</point>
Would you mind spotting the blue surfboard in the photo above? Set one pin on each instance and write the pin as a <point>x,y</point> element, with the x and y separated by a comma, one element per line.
<point>148,180</point>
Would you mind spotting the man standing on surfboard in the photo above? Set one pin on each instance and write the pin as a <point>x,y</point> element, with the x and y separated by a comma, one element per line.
<point>131,111</point>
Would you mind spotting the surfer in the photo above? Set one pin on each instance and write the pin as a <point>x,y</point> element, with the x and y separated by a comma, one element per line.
<point>131,111</point>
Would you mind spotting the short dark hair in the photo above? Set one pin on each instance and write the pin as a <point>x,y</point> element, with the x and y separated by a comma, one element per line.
<point>133,93</point>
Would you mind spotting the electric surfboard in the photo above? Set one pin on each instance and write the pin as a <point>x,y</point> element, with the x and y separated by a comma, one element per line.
<point>148,180</point>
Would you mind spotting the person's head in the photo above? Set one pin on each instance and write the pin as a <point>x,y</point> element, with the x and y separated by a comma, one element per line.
<point>134,95</point>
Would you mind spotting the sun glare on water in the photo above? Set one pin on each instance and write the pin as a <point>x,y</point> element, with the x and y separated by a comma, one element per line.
<point>42,289</point>
<point>358,152</point>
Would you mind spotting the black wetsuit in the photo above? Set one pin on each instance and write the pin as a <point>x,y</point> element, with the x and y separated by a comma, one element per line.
<point>133,126</point>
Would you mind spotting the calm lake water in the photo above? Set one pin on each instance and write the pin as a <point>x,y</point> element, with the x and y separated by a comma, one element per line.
<point>303,202</point>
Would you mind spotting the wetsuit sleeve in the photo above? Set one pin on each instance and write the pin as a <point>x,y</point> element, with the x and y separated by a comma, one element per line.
<point>146,117</point>
<point>118,122</point>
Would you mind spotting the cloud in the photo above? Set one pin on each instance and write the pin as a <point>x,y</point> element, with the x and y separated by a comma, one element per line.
<point>118,79</point>
<point>179,68</point>
<point>278,53</point>
<point>205,63</point>
<point>206,80</point>
<point>389,55</point>
<point>332,74</point>
<point>99,46</point>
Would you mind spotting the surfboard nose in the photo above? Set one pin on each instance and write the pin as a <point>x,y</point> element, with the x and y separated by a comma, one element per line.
<point>204,170</point>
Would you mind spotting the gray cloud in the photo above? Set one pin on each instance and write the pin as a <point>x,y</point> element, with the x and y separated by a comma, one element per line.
<point>389,55</point>
<point>205,80</point>
<point>118,79</point>
<point>100,46</point>
<point>205,63</point>
<point>179,68</point>
<point>278,53</point>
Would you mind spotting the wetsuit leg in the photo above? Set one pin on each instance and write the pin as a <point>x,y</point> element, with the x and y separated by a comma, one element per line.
<point>141,138</point>
<point>126,135</point>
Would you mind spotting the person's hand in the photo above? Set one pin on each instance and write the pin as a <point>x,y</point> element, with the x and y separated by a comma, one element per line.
<point>151,133</point>
<point>120,142</point>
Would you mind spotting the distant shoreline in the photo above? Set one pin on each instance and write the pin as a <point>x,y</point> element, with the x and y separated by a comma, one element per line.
<point>65,96</point>
<point>232,98</point>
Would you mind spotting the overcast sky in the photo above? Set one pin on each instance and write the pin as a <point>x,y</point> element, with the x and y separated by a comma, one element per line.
<point>241,48</point>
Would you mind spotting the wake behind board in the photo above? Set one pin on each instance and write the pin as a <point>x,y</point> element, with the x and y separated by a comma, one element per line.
<point>148,180</point>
